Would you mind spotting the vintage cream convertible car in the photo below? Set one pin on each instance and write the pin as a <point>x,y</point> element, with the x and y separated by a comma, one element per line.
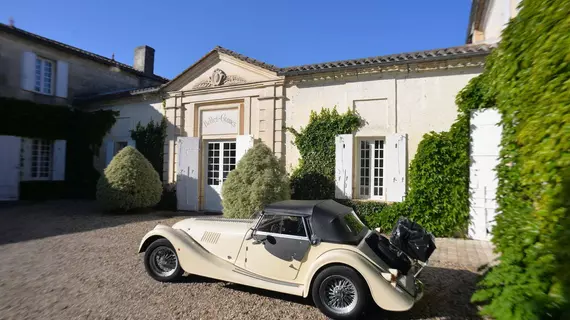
<point>317,248</point>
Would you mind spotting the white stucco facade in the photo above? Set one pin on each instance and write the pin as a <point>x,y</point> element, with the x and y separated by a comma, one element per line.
<point>215,108</point>
<point>408,102</point>
<point>130,113</point>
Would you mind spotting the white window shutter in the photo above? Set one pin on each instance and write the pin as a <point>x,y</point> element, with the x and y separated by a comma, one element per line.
<point>343,166</point>
<point>187,171</point>
<point>243,143</point>
<point>59,147</point>
<point>109,151</point>
<point>28,74</point>
<point>396,167</point>
<point>132,143</point>
<point>62,76</point>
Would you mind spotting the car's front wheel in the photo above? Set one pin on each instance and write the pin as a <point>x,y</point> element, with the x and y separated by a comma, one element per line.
<point>161,261</point>
<point>340,293</point>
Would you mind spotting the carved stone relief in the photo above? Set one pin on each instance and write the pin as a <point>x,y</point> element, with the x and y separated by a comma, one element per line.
<point>219,78</point>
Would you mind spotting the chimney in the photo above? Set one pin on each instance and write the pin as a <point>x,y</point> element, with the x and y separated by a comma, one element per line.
<point>144,59</point>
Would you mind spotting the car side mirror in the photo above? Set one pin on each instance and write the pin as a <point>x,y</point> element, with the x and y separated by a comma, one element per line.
<point>315,240</point>
<point>259,239</point>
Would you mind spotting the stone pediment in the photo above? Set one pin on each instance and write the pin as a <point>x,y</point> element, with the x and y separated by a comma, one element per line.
<point>219,69</point>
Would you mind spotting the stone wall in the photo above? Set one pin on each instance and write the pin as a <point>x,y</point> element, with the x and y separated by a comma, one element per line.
<point>85,76</point>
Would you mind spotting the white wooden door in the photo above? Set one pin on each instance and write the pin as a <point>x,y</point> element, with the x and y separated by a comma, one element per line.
<point>10,168</point>
<point>486,137</point>
<point>220,160</point>
<point>187,173</point>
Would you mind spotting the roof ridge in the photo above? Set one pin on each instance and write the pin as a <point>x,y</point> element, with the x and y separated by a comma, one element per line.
<point>245,58</point>
<point>394,57</point>
<point>90,54</point>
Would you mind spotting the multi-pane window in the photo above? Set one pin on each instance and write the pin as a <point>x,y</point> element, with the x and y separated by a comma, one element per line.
<point>371,170</point>
<point>364,168</point>
<point>213,163</point>
<point>378,183</point>
<point>229,158</point>
<point>44,76</point>
<point>40,166</point>
<point>221,160</point>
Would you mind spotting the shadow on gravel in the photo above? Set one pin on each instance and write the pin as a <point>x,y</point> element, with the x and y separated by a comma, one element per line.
<point>447,295</point>
<point>35,220</point>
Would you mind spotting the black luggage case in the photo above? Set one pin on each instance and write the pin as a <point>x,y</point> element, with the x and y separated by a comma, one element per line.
<point>391,255</point>
<point>414,240</point>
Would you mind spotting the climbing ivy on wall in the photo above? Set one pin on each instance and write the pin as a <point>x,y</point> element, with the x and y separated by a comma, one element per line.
<point>150,142</point>
<point>84,132</point>
<point>530,79</point>
<point>314,177</point>
<point>438,195</point>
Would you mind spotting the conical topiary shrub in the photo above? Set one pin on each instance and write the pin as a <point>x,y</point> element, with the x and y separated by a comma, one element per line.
<point>129,182</point>
<point>258,179</point>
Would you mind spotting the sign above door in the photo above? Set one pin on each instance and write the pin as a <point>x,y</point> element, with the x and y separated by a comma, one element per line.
<point>216,122</point>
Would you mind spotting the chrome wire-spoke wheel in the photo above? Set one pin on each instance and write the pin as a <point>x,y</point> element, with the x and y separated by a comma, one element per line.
<point>163,261</point>
<point>339,294</point>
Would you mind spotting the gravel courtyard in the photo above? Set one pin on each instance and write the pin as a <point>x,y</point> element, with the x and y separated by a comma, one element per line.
<point>65,260</point>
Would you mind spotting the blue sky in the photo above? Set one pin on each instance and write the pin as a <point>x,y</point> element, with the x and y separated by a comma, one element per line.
<point>283,33</point>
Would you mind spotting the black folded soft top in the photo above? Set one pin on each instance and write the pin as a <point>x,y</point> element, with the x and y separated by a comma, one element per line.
<point>326,218</point>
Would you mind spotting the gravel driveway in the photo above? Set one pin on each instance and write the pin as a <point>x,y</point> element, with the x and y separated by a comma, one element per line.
<point>65,260</point>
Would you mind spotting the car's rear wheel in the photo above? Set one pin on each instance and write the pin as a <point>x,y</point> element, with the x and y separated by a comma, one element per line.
<point>340,293</point>
<point>161,261</point>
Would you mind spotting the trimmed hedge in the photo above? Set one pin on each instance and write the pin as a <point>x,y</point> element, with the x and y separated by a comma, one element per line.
<point>258,179</point>
<point>372,213</point>
<point>129,182</point>
<point>529,76</point>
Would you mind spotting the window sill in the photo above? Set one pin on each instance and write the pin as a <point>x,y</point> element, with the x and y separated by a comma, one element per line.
<point>36,179</point>
<point>369,200</point>
<point>40,93</point>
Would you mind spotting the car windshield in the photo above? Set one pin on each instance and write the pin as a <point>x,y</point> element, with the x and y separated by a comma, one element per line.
<point>353,223</point>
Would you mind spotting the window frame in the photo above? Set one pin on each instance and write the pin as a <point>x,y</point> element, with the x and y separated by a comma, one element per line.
<point>281,235</point>
<point>43,62</point>
<point>371,176</point>
<point>31,162</point>
<point>117,144</point>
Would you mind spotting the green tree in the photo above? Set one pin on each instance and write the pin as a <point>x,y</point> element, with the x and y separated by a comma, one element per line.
<point>258,179</point>
<point>129,182</point>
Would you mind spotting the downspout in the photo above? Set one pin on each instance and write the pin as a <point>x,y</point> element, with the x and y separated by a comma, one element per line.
<point>175,138</point>
<point>396,105</point>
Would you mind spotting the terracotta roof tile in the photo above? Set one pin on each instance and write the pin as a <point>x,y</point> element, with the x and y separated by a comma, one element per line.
<point>391,59</point>
<point>77,51</point>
